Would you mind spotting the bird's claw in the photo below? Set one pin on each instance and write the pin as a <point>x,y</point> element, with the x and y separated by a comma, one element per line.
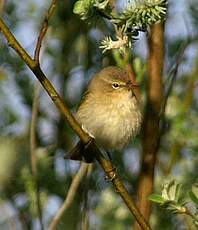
<point>111,175</point>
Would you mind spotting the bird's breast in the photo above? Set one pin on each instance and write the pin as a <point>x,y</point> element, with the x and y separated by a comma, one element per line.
<point>111,123</point>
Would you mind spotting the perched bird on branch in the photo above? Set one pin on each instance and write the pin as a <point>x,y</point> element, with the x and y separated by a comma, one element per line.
<point>109,111</point>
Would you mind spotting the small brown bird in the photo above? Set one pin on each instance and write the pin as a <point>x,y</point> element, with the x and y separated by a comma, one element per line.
<point>109,111</point>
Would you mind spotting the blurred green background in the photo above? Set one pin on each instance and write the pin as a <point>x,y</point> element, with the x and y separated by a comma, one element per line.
<point>70,56</point>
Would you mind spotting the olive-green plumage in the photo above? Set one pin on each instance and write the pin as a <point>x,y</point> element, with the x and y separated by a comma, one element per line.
<point>109,111</point>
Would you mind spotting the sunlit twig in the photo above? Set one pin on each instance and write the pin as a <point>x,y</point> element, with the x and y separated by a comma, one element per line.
<point>43,30</point>
<point>85,213</point>
<point>70,195</point>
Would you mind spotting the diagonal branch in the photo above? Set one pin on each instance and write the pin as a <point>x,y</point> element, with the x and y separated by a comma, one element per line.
<point>172,77</point>
<point>43,30</point>
<point>58,101</point>
<point>35,68</point>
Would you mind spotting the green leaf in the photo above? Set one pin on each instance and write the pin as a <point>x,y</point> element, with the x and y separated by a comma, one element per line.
<point>137,16</point>
<point>101,5</point>
<point>157,198</point>
<point>84,8</point>
<point>193,198</point>
<point>88,9</point>
<point>78,7</point>
<point>142,14</point>
<point>171,191</point>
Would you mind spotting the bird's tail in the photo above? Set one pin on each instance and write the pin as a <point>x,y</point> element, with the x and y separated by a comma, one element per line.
<point>78,153</point>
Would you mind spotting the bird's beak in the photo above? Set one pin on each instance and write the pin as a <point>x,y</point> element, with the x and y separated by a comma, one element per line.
<point>134,88</point>
<point>131,85</point>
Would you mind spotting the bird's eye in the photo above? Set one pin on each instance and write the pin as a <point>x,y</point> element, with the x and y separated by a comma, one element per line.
<point>115,85</point>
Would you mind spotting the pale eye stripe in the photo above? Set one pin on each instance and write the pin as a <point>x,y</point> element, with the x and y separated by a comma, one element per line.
<point>111,81</point>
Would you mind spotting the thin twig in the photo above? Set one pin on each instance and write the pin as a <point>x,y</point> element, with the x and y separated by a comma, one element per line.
<point>33,144</point>
<point>85,213</point>
<point>33,147</point>
<point>43,30</point>
<point>58,101</point>
<point>70,195</point>
<point>172,76</point>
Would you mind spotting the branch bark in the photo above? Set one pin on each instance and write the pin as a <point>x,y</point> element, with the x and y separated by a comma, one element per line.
<point>105,164</point>
<point>43,30</point>
<point>150,138</point>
